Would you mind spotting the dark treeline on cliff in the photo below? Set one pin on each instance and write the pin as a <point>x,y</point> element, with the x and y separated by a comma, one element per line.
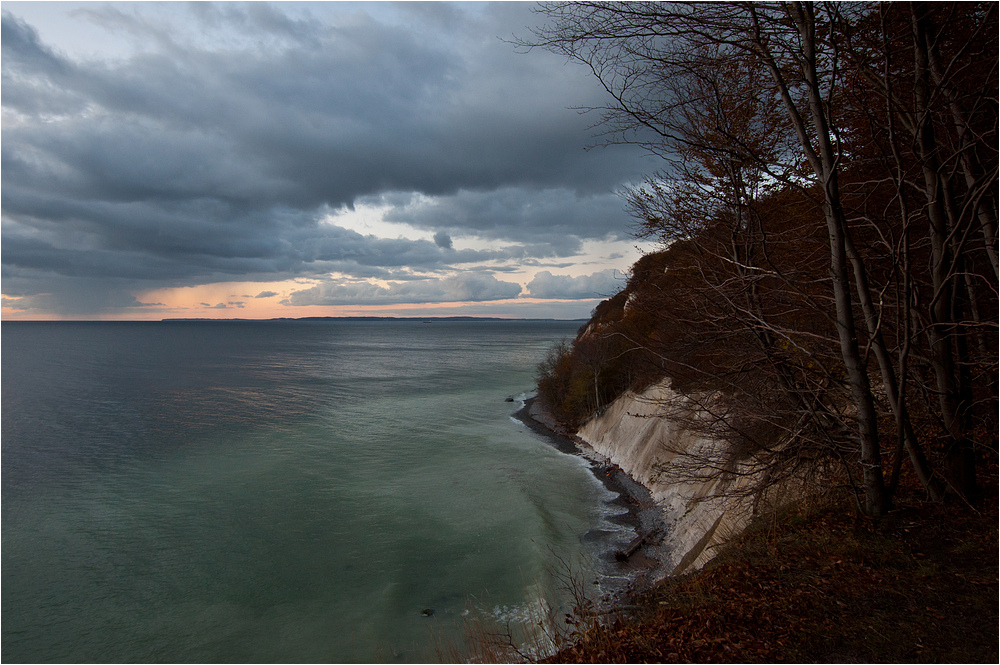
<point>827,208</point>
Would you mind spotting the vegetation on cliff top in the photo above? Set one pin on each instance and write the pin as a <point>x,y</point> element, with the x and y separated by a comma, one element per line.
<point>827,205</point>
<point>827,292</point>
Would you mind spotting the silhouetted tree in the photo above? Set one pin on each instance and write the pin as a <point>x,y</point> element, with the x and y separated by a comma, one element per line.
<point>749,102</point>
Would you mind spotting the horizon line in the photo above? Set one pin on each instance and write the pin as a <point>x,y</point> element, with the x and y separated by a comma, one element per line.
<point>299,318</point>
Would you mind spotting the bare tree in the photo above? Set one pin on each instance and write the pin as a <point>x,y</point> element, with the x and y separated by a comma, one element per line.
<point>744,100</point>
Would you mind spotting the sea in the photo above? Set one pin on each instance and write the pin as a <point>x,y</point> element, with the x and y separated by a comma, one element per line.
<point>288,491</point>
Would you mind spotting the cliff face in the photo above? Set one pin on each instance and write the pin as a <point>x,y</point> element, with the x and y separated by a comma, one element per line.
<point>635,434</point>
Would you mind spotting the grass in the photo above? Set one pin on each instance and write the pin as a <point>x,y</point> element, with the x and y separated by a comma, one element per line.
<point>820,584</point>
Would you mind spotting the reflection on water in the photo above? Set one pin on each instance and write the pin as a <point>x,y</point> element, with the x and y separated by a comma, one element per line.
<point>275,491</point>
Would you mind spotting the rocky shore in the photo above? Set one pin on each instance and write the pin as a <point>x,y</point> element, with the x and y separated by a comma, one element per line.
<point>912,587</point>
<point>640,559</point>
<point>641,449</point>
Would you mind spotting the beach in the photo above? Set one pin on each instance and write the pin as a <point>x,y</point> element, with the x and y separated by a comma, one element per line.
<point>641,567</point>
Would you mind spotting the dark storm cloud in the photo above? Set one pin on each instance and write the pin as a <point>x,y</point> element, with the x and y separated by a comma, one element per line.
<point>20,42</point>
<point>213,155</point>
<point>35,290</point>
<point>554,216</point>
<point>178,245</point>
<point>442,239</point>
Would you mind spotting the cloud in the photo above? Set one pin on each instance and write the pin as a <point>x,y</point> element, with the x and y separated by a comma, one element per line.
<point>600,284</point>
<point>467,287</point>
<point>214,147</point>
<point>78,298</point>
<point>193,241</point>
<point>558,217</point>
<point>442,240</point>
<point>21,43</point>
<point>266,294</point>
<point>337,113</point>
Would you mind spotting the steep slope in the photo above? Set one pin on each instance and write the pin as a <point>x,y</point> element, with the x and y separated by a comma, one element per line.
<point>635,434</point>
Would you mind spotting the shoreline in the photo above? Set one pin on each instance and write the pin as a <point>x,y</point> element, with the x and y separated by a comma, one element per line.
<point>644,564</point>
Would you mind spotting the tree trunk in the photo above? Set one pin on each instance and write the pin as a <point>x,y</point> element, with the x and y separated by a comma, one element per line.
<point>824,162</point>
<point>960,456</point>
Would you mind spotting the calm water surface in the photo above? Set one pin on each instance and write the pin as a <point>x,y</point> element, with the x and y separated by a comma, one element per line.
<point>278,491</point>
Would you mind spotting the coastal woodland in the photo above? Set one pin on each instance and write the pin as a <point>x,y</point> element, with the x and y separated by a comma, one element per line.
<point>826,211</point>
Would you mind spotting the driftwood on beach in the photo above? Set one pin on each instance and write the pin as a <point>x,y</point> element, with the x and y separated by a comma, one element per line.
<point>639,541</point>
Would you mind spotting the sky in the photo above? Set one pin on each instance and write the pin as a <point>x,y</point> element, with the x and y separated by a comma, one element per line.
<point>164,160</point>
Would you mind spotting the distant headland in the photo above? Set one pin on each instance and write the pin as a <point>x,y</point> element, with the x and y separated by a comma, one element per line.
<point>425,319</point>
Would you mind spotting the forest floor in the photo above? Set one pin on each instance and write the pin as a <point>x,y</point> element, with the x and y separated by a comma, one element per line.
<point>821,584</point>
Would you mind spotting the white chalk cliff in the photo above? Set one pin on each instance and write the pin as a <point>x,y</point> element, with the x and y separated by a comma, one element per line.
<point>635,433</point>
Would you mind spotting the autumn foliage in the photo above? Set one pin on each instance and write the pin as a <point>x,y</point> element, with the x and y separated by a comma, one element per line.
<point>827,209</point>
<point>815,584</point>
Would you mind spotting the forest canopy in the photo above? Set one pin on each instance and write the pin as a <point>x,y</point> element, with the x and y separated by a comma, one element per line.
<point>827,211</point>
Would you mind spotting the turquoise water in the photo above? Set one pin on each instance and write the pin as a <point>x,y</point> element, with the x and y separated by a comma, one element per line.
<point>279,491</point>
